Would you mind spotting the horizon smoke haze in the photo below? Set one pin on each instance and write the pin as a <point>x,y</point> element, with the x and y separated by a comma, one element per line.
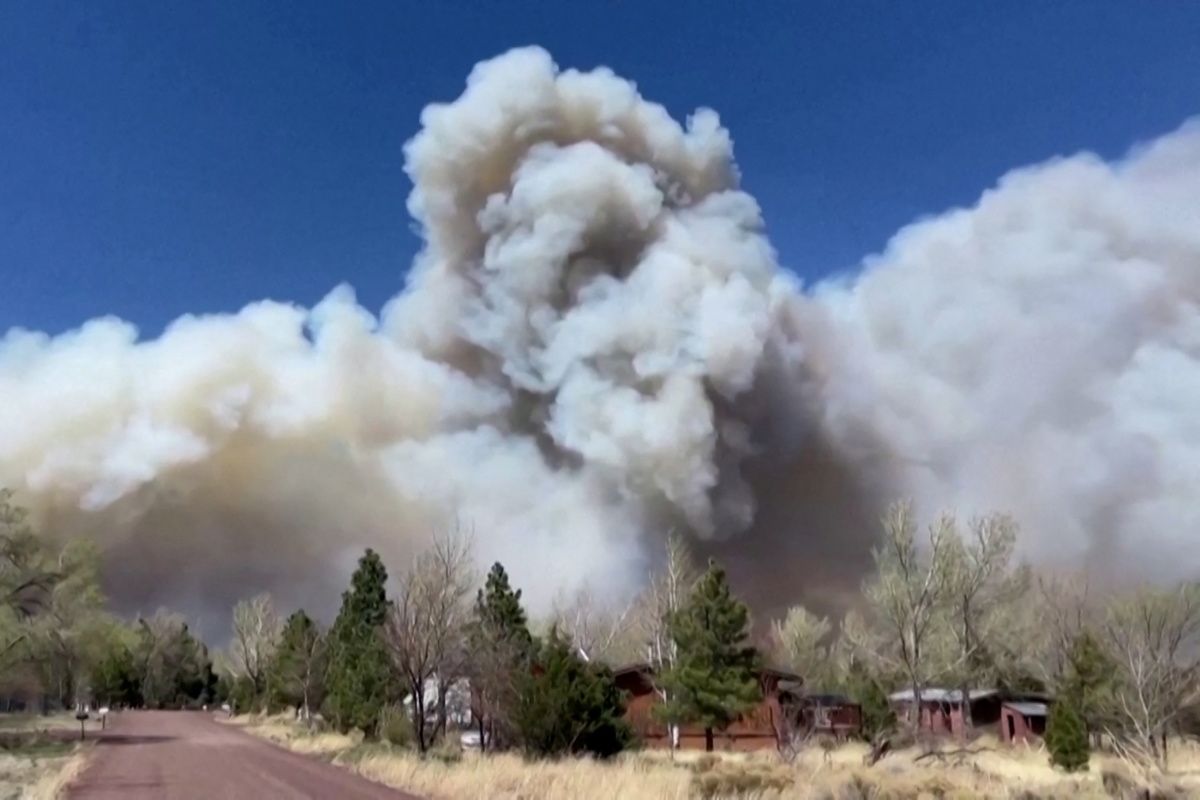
<point>597,344</point>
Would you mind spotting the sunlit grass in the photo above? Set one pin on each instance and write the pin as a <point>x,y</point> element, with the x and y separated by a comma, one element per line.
<point>989,770</point>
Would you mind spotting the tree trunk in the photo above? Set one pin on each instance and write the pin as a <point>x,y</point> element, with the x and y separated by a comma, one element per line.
<point>965,705</point>
<point>440,730</point>
<point>419,715</point>
<point>708,740</point>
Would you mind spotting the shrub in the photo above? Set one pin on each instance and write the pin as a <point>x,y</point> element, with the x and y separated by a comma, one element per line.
<point>1066,737</point>
<point>446,752</point>
<point>740,780</point>
<point>565,705</point>
<point>394,726</point>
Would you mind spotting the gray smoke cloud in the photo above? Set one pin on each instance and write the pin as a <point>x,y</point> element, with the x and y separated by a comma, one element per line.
<point>597,343</point>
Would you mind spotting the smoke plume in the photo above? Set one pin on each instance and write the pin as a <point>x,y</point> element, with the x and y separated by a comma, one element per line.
<point>597,344</point>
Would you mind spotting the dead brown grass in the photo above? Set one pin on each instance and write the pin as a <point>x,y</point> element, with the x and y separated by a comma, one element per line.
<point>39,774</point>
<point>989,771</point>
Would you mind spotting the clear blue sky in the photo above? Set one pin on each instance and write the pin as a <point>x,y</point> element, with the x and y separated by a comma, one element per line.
<point>164,157</point>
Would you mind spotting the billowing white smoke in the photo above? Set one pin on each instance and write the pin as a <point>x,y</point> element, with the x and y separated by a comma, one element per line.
<point>596,343</point>
<point>1040,353</point>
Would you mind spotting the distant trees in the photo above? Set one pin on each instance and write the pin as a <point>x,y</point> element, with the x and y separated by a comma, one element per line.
<point>714,677</point>
<point>114,678</point>
<point>360,678</point>
<point>173,667</point>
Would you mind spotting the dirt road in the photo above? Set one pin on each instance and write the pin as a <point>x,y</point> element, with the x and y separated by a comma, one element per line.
<point>180,755</point>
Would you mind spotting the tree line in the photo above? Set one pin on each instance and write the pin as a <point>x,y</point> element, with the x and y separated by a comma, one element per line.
<point>957,608</point>
<point>443,647</point>
<point>59,647</point>
<point>950,606</point>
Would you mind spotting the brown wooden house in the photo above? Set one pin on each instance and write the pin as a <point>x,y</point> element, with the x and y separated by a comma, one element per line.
<point>763,728</point>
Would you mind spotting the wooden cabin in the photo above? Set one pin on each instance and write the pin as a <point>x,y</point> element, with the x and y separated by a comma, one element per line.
<point>762,728</point>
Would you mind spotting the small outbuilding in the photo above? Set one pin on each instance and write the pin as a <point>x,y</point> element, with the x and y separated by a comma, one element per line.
<point>941,709</point>
<point>1022,721</point>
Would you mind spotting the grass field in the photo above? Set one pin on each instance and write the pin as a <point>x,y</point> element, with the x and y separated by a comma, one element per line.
<point>990,770</point>
<point>38,755</point>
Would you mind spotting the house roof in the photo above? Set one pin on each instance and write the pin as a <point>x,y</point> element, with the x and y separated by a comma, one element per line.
<point>1028,709</point>
<point>829,699</point>
<point>939,695</point>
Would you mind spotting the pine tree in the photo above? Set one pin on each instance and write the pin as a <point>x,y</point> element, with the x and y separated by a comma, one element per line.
<point>1066,736</point>
<point>359,677</point>
<point>565,705</point>
<point>714,679</point>
<point>297,670</point>
<point>501,648</point>
<point>1089,680</point>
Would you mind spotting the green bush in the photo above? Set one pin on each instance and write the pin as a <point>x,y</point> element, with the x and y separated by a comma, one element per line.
<point>1067,737</point>
<point>565,705</point>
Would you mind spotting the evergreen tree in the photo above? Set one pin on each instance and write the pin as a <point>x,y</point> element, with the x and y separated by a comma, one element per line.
<point>501,649</point>
<point>498,611</point>
<point>565,705</point>
<point>298,667</point>
<point>1089,680</point>
<point>1066,736</point>
<point>715,676</point>
<point>359,678</point>
<point>878,718</point>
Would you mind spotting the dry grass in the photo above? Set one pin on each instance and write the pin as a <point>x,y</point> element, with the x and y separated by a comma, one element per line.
<point>39,773</point>
<point>285,731</point>
<point>55,778</point>
<point>989,771</point>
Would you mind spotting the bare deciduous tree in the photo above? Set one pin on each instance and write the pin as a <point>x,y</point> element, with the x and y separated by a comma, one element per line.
<point>667,593</point>
<point>256,629</point>
<point>1154,636</point>
<point>424,630</point>
<point>981,587</point>
<point>597,631</point>
<point>1063,609</point>
<point>908,590</point>
<point>801,640</point>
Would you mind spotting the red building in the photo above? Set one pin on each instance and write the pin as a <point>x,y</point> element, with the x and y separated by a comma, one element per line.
<point>1022,721</point>
<point>941,711</point>
<point>762,728</point>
